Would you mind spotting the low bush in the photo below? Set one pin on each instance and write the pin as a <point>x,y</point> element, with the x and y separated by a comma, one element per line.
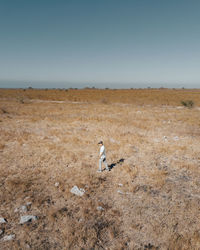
<point>188,103</point>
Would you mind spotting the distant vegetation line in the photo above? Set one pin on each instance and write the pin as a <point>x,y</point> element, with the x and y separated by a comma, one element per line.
<point>149,96</point>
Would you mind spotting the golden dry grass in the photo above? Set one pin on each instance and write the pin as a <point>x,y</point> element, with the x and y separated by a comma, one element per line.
<point>151,196</point>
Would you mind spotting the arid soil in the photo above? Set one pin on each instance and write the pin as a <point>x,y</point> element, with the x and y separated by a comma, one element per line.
<point>150,199</point>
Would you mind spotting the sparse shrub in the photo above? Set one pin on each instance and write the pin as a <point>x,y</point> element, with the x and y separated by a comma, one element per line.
<point>3,111</point>
<point>188,103</point>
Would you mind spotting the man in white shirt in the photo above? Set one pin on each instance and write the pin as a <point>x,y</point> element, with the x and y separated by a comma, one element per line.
<point>102,156</point>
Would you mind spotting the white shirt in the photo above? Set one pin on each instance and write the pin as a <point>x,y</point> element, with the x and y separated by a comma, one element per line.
<point>102,152</point>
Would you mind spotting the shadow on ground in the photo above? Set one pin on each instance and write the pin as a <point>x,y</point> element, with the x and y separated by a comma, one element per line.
<point>111,166</point>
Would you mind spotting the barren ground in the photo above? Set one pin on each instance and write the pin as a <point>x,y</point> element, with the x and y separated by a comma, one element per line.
<point>151,197</point>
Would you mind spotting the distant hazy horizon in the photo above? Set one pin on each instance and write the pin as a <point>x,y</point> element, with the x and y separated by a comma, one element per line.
<point>107,43</point>
<point>67,85</point>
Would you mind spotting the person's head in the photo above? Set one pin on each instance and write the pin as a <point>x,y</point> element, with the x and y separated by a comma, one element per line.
<point>100,143</point>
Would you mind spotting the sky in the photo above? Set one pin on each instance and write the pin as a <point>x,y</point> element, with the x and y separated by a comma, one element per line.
<point>105,43</point>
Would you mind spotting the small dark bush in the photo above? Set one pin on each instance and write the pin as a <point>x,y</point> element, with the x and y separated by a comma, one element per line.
<point>188,103</point>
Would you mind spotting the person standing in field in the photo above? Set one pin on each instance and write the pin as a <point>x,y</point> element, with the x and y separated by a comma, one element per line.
<point>102,156</point>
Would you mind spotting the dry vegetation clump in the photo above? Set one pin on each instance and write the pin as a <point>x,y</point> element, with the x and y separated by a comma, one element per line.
<point>150,198</point>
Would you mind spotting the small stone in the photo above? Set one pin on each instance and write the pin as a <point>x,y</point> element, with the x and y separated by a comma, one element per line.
<point>27,218</point>
<point>57,184</point>
<point>1,232</point>
<point>120,184</point>
<point>75,190</point>
<point>8,237</point>
<point>2,220</point>
<point>28,203</point>
<point>16,210</point>
<point>99,208</point>
<point>23,209</point>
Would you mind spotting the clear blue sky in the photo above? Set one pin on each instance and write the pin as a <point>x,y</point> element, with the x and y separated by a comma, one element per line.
<point>105,43</point>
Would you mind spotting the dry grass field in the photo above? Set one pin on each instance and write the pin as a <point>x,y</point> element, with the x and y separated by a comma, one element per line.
<point>149,200</point>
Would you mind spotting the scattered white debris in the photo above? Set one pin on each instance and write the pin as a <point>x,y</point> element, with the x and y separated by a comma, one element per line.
<point>27,218</point>
<point>57,184</point>
<point>99,208</point>
<point>77,191</point>
<point>120,184</point>
<point>120,192</point>
<point>113,141</point>
<point>8,237</point>
<point>2,220</point>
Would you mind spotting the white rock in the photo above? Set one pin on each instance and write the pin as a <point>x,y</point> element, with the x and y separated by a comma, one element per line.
<point>8,237</point>
<point>100,208</point>
<point>28,203</point>
<point>2,220</point>
<point>57,184</point>
<point>176,138</point>
<point>120,192</point>
<point>27,218</point>
<point>16,210</point>
<point>1,232</point>
<point>120,184</point>
<point>75,190</point>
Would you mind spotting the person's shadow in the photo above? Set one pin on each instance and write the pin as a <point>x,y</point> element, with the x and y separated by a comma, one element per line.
<point>111,166</point>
